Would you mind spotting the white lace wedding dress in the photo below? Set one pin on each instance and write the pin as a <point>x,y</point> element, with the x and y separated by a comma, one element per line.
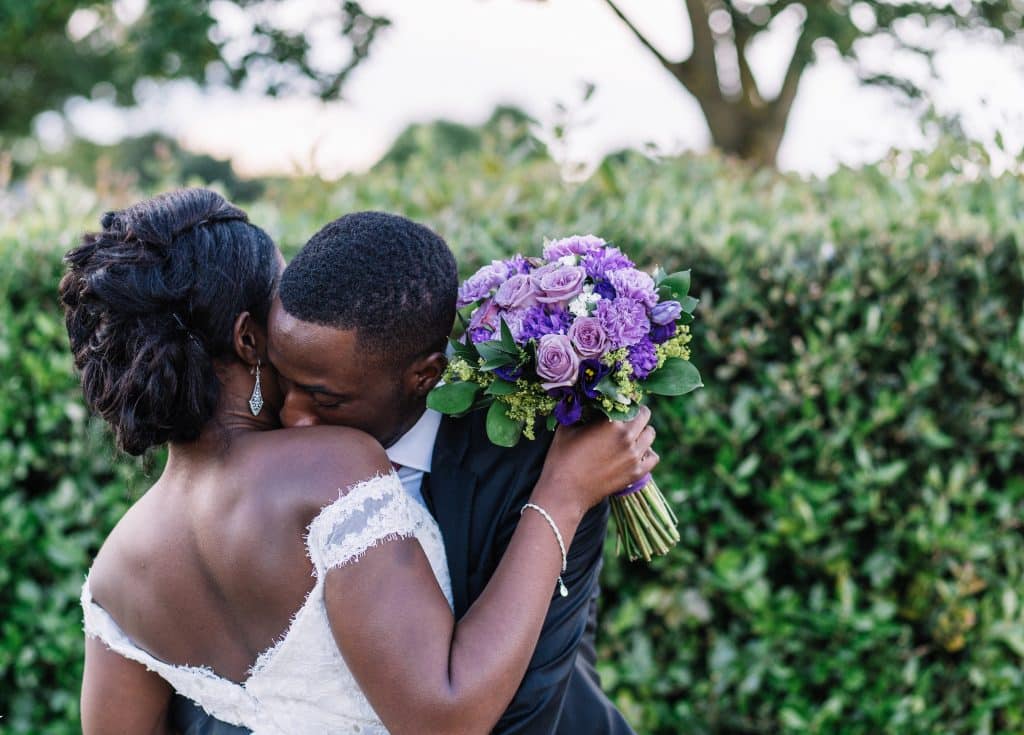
<point>301,685</point>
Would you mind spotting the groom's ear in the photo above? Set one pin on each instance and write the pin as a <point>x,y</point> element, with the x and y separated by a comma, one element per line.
<point>425,372</point>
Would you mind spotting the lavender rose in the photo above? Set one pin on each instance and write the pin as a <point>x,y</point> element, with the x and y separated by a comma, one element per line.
<point>634,284</point>
<point>557,362</point>
<point>560,286</point>
<point>666,312</point>
<point>518,292</point>
<point>588,336</point>
<point>625,321</point>
<point>480,284</point>
<point>575,245</point>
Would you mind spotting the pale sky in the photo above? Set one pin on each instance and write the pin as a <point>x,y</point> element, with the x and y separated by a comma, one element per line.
<point>457,59</point>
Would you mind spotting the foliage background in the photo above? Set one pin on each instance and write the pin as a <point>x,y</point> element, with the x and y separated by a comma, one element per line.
<point>850,483</point>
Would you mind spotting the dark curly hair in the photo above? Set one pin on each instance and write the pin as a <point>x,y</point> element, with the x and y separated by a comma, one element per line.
<point>392,280</point>
<point>150,302</point>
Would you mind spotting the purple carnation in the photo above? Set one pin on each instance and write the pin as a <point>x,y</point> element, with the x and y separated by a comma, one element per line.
<point>514,319</point>
<point>482,283</point>
<point>479,334</point>
<point>633,284</point>
<point>643,358</point>
<point>517,264</point>
<point>599,262</point>
<point>624,320</point>
<point>537,322</point>
<point>575,245</point>
<point>666,312</point>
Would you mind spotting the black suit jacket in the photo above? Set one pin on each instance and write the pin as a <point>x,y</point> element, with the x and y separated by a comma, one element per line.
<point>475,491</point>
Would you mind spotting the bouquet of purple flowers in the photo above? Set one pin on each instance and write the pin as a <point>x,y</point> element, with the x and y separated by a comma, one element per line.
<point>578,332</point>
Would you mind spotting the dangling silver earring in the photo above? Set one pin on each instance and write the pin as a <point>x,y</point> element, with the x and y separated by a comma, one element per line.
<point>256,399</point>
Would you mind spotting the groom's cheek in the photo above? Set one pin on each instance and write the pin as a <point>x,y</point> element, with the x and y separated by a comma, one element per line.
<point>296,411</point>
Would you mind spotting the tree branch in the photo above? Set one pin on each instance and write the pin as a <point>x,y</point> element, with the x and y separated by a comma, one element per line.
<point>782,104</point>
<point>670,65</point>
<point>747,81</point>
<point>703,41</point>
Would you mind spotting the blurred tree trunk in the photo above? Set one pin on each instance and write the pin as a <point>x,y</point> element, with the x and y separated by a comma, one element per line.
<point>743,123</point>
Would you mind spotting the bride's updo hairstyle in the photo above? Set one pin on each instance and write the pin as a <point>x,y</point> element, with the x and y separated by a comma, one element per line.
<point>150,303</point>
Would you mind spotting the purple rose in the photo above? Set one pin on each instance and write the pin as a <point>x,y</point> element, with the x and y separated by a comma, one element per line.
<point>538,321</point>
<point>557,362</point>
<point>634,284</point>
<point>643,358</point>
<point>599,262</point>
<point>666,312</point>
<point>518,292</point>
<point>480,284</point>
<point>560,286</point>
<point>624,320</point>
<point>575,245</point>
<point>588,336</point>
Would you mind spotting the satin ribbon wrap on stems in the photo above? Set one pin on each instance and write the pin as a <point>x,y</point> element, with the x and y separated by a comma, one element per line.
<point>644,521</point>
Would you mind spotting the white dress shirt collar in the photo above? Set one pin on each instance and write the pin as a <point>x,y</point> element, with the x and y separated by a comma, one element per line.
<point>415,448</point>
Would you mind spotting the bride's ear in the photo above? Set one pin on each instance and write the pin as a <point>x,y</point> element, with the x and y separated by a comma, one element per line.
<point>425,373</point>
<point>249,340</point>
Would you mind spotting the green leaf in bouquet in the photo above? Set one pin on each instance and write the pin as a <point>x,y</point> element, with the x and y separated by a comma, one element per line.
<point>676,377</point>
<point>465,350</point>
<point>622,413</point>
<point>501,429</point>
<point>500,388</point>
<point>608,387</point>
<point>506,338</point>
<point>497,362</point>
<point>552,423</point>
<point>689,304</point>
<point>493,349</point>
<point>674,287</point>
<point>659,275</point>
<point>453,399</point>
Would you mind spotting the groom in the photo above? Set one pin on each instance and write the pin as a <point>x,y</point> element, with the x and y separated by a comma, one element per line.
<point>358,335</point>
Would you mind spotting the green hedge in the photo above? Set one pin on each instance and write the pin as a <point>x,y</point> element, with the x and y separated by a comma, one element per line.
<point>850,483</point>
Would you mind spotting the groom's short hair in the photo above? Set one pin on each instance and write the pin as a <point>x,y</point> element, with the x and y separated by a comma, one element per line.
<point>392,280</point>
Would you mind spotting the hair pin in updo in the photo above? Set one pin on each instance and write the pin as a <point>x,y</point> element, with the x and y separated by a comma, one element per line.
<point>188,332</point>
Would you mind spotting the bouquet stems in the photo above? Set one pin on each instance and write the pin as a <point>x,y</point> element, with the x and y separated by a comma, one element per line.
<point>644,521</point>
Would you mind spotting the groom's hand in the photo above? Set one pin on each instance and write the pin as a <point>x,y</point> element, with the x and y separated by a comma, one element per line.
<point>588,463</point>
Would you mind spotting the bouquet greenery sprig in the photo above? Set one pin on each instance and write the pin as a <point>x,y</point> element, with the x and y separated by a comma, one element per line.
<point>569,336</point>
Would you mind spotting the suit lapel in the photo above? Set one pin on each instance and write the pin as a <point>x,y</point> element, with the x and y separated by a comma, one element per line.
<point>450,491</point>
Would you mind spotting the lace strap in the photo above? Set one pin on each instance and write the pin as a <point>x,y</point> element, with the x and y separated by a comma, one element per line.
<point>365,515</point>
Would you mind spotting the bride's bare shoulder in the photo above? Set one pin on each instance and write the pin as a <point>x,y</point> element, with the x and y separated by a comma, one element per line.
<point>318,462</point>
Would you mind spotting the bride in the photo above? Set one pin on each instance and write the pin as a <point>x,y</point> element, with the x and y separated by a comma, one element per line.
<point>282,579</point>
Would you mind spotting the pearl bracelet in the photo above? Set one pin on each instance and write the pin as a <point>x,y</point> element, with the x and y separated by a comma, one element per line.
<point>562,590</point>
